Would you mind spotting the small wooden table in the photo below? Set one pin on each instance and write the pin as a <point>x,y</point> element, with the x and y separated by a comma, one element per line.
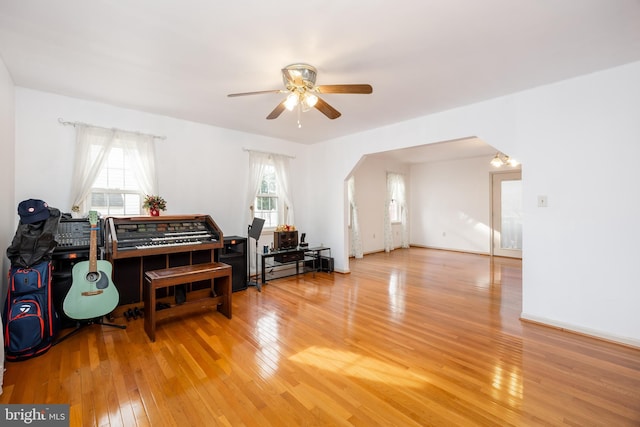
<point>218,295</point>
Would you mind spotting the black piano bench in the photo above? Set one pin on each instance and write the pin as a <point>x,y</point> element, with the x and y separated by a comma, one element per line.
<point>219,295</point>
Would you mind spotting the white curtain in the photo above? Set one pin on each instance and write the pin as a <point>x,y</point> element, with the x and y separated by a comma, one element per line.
<point>93,145</point>
<point>257,163</point>
<point>355,237</point>
<point>281,165</point>
<point>92,151</point>
<point>395,191</point>
<point>140,149</point>
<point>404,210</point>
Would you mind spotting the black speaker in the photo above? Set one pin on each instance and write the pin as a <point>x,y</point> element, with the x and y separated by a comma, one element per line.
<point>326,264</point>
<point>322,264</point>
<point>234,253</point>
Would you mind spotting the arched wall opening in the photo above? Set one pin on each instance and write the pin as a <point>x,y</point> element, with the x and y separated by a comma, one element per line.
<point>448,192</point>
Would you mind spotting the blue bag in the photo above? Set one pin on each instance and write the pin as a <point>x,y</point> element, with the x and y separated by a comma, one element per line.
<point>30,319</point>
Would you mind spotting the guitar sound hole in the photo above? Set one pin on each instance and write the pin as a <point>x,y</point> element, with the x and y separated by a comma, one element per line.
<point>92,276</point>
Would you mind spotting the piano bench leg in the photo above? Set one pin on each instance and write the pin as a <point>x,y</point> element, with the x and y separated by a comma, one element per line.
<point>150,309</point>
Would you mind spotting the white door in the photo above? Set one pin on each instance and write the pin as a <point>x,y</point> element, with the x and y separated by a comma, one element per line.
<point>506,203</point>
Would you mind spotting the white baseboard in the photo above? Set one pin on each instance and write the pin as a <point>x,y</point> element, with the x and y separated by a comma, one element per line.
<point>631,342</point>
<point>464,251</point>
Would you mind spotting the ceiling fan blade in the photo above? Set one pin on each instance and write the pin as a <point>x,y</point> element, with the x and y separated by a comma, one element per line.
<point>260,92</point>
<point>360,88</point>
<point>276,111</point>
<point>327,109</point>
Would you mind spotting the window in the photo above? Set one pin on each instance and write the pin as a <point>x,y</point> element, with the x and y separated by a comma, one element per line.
<point>394,211</point>
<point>113,170</point>
<point>268,195</point>
<point>115,190</point>
<point>266,202</point>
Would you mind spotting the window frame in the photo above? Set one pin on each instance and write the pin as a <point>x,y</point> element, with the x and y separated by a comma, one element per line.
<point>270,217</point>
<point>123,164</point>
<point>396,208</point>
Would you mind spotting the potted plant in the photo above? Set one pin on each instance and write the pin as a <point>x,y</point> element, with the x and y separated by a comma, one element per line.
<point>154,204</point>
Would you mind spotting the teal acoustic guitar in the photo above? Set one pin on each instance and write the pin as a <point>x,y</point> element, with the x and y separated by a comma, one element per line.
<point>92,293</point>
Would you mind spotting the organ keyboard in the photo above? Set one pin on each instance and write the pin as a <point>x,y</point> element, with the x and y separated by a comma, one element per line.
<point>142,236</point>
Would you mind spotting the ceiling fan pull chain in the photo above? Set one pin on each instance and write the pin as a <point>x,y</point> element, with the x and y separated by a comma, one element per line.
<point>299,114</point>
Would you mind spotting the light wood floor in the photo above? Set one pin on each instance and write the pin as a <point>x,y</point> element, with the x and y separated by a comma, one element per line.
<point>412,338</point>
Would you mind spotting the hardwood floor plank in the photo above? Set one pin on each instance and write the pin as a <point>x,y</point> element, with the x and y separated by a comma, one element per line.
<point>410,338</point>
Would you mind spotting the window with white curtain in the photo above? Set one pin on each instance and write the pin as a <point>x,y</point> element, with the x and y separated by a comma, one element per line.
<point>269,195</point>
<point>266,203</point>
<point>396,211</point>
<point>355,238</point>
<point>116,190</point>
<point>113,170</point>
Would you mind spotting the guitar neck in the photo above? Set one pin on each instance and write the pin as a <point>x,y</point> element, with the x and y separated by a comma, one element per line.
<point>93,249</point>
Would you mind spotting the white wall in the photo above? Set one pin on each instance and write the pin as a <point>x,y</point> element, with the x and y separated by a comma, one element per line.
<point>451,205</point>
<point>580,142</point>
<point>371,192</point>
<point>581,145</point>
<point>8,209</point>
<point>201,169</point>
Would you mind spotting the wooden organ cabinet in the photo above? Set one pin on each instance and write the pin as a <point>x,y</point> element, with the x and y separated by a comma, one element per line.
<point>135,245</point>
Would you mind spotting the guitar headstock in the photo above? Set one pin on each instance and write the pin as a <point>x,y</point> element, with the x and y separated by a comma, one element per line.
<point>93,218</point>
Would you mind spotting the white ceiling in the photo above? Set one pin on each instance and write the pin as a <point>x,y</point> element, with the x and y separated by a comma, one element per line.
<point>181,58</point>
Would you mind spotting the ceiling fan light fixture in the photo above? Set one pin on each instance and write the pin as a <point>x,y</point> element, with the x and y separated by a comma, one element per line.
<point>309,101</point>
<point>300,86</point>
<point>292,101</point>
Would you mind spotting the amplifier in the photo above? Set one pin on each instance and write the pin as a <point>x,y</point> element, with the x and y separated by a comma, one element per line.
<point>75,233</point>
<point>285,240</point>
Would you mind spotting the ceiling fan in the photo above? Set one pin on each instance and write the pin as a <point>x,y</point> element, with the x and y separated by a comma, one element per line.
<point>300,85</point>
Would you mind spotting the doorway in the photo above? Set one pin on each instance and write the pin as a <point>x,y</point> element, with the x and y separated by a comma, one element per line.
<point>506,214</point>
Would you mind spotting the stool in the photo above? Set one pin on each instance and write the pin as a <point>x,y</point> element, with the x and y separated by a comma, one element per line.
<point>219,295</point>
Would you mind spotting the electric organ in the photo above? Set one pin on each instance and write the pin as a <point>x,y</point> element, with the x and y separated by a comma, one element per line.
<point>135,245</point>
